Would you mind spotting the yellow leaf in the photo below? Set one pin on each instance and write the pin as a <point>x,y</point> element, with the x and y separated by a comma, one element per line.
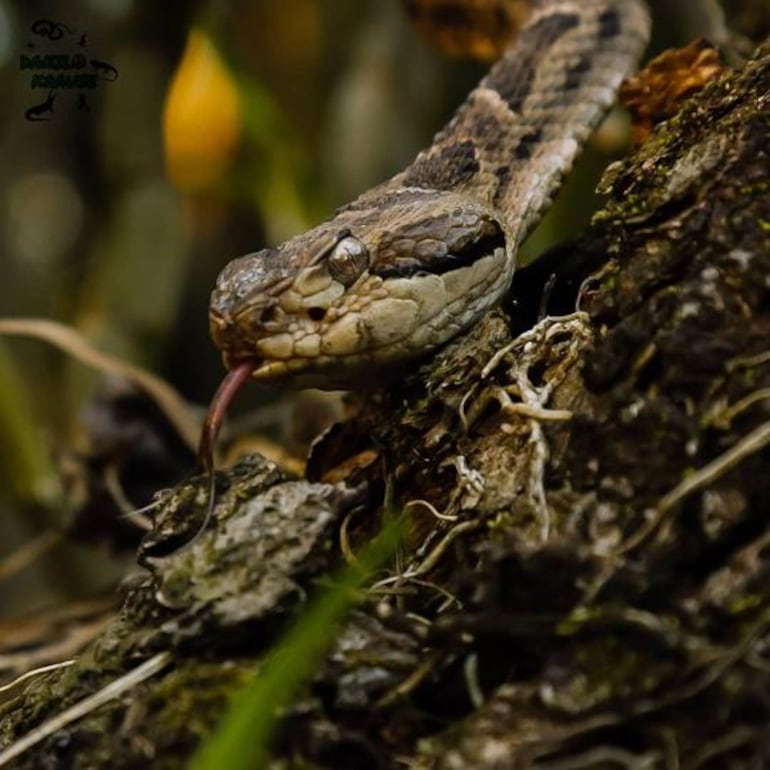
<point>202,118</point>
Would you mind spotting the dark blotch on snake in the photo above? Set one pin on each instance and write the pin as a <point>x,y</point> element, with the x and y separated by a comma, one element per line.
<point>490,134</point>
<point>444,263</point>
<point>530,140</point>
<point>576,72</point>
<point>609,24</point>
<point>514,82</point>
<point>446,169</point>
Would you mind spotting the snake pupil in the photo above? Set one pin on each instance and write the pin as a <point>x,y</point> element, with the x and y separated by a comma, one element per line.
<point>316,313</point>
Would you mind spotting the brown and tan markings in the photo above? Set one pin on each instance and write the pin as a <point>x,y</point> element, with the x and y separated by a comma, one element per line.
<point>419,258</point>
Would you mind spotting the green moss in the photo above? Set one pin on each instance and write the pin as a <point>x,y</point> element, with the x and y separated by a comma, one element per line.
<point>748,603</point>
<point>191,698</point>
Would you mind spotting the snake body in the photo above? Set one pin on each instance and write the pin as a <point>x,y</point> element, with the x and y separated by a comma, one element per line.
<point>416,260</point>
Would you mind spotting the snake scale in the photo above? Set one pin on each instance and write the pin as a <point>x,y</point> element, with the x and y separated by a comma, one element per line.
<point>418,259</point>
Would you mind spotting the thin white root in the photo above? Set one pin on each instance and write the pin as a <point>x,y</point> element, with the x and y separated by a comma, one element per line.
<point>126,682</point>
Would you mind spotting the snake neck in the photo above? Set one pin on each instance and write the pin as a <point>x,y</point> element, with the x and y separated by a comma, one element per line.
<point>517,134</point>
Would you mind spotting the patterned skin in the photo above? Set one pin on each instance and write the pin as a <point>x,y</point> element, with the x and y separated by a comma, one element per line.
<point>419,258</point>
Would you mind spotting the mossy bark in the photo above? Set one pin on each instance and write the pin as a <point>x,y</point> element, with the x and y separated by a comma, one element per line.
<point>595,589</point>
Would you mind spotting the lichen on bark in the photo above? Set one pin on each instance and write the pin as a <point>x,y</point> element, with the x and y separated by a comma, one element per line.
<point>585,581</point>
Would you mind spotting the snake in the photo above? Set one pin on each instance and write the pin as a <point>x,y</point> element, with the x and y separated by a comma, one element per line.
<point>418,259</point>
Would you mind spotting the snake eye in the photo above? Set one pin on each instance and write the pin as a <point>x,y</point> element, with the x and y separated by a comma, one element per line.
<point>347,260</point>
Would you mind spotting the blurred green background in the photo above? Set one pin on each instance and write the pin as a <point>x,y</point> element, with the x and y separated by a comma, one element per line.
<point>231,125</point>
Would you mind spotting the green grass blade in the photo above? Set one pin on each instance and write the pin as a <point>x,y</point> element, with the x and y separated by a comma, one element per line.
<point>242,739</point>
<point>27,468</point>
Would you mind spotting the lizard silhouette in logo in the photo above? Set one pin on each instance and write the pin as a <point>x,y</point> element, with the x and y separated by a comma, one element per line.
<point>37,111</point>
<point>106,71</point>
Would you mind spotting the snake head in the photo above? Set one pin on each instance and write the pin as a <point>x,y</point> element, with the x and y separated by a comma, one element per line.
<point>388,278</point>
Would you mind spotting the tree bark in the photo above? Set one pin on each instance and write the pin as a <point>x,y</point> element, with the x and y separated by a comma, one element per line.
<point>595,589</point>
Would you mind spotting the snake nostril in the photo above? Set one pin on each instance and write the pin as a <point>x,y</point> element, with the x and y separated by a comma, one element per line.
<point>269,314</point>
<point>316,313</point>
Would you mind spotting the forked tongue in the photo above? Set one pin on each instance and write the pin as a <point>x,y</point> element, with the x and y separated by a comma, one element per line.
<point>226,391</point>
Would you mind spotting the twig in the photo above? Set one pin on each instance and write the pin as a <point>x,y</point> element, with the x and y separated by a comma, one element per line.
<point>431,509</point>
<point>755,441</point>
<point>84,707</point>
<point>76,345</point>
<point>29,553</point>
<point>36,672</point>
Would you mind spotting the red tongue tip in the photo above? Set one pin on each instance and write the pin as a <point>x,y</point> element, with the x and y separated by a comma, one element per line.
<point>230,385</point>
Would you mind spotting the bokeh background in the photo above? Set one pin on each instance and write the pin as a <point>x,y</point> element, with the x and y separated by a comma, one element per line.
<point>231,125</point>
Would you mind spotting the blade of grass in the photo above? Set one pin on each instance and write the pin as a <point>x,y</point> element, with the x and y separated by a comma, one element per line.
<point>242,739</point>
<point>27,468</point>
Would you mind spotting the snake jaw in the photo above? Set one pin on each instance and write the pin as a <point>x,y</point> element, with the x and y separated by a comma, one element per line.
<point>428,274</point>
<point>225,334</point>
<point>277,327</point>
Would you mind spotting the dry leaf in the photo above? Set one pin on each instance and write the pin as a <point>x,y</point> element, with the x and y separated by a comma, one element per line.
<point>656,92</point>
